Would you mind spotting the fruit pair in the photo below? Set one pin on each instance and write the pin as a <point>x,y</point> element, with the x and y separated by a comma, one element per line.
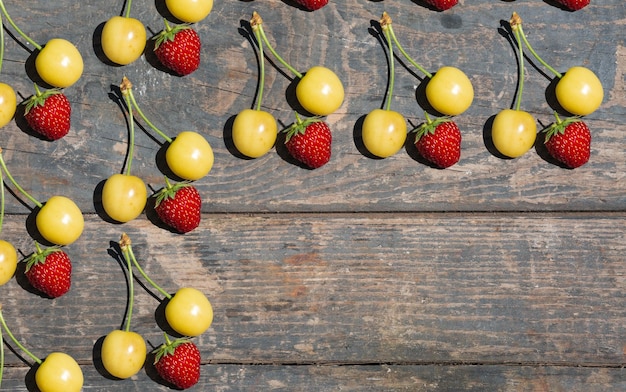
<point>578,92</point>
<point>123,38</point>
<point>188,312</point>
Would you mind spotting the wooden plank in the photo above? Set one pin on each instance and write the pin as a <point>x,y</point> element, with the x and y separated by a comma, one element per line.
<point>386,378</point>
<point>355,289</point>
<point>339,36</point>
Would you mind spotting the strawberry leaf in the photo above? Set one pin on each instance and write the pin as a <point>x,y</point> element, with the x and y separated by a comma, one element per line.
<point>299,126</point>
<point>169,33</point>
<point>558,127</point>
<point>169,191</point>
<point>168,348</point>
<point>39,98</point>
<point>39,257</point>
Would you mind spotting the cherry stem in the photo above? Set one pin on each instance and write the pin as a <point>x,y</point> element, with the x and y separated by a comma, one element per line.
<point>20,32</point>
<point>2,198</point>
<point>17,343</point>
<point>22,191</point>
<point>261,69</point>
<point>1,47</point>
<point>1,357</point>
<point>133,101</point>
<point>146,277</point>
<point>126,249</point>
<point>259,27</point>
<point>405,54</point>
<point>127,11</point>
<point>520,83</point>
<point>126,89</point>
<point>554,71</point>
<point>386,24</point>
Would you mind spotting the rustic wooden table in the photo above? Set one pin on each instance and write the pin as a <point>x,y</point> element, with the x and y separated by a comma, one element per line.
<point>366,274</point>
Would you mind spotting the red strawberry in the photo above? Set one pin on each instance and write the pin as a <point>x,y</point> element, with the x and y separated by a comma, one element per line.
<point>179,206</point>
<point>569,141</point>
<point>49,271</point>
<point>178,48</point>
<point>178,362</point>
<point>574,5</point>
<point>49,113</point>
<point>309,141</point>
<point>439,141</point>
<point>312,5</point>
<point>442,5</point>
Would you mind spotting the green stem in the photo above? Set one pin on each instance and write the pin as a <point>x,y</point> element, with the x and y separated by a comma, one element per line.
<point>146,277</point>
<point>20,32</point>
<point>17,343</point>
<point>257,33</point>
<point>405,54</point>
<point>1,46</point>
<point>131,286</point>
<point>1,200</point>
<point>1,357</point>
<point>280,59</point>
<point>554,71</point>
<point>131,96</point>
<point>127,11</point>
<point>520,83</point>
<point>391,68</point>
<point>26,194</point>
<point>131,137</point>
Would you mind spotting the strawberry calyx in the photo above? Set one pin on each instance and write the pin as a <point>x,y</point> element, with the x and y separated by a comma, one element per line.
<point>169,33</point>
<point>169,191</point>
<point>559,126</point>
<point>300,126</point>
<point>429,126</point>
<point>168,347</point>
<point>39,98</point>
<point>40,255</point>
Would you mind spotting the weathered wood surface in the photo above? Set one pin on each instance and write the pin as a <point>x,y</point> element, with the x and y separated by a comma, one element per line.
<point>364,274</point>
<point>537,290</point>
<point>340,37</point>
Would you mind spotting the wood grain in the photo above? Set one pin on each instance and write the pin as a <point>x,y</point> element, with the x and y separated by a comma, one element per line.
<point>537,290</point>
<point>341,37</point>
<point>365,274</point>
